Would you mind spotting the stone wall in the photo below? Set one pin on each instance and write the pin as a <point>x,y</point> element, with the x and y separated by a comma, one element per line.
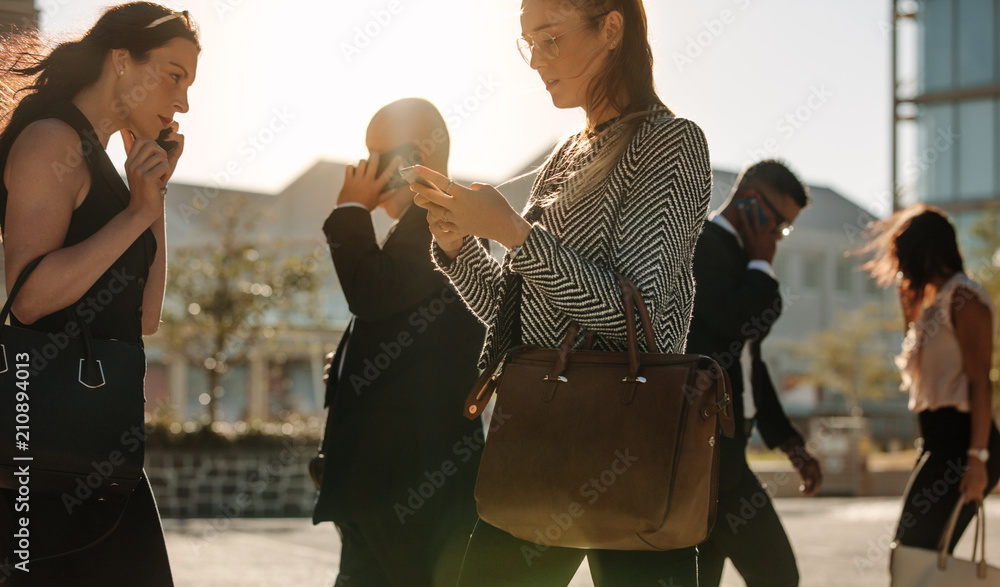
<point>233,483</point>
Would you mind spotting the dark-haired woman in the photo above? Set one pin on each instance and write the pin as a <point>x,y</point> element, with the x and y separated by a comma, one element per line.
<point>62,197</point>
<point>945,365</point>
<point>627,194</point>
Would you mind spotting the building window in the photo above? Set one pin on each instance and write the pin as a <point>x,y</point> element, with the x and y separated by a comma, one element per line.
<point>936,18</point>
<point>977,149</point>
<point>845,276</point>
<point>936,153</point>
<point>871,286</point>
<point>812,272</point>
<point>976,26</point>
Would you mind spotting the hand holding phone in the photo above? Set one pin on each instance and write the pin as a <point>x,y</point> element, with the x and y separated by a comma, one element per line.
<point>748,206</point>
<point>162,141</point>
<point>411,177</point>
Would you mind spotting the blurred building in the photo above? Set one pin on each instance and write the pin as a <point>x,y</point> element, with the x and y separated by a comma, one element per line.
<point>19,14</point>
<point>946,76</point>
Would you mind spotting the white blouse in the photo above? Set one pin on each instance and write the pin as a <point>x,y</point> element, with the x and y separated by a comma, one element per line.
<point>931,363</point>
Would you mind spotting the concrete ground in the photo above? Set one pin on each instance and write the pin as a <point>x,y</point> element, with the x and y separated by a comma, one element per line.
<point>838,542</point>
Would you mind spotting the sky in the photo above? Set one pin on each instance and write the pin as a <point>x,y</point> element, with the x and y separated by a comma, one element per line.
<point>281,85</point>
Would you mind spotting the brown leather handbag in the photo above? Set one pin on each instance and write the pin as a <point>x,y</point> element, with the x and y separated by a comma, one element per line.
<point>608,450</point>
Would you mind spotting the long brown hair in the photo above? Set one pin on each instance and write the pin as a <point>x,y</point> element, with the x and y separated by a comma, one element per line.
<point>918,244</point>
<point>625,83</point>
<point>31,80</point>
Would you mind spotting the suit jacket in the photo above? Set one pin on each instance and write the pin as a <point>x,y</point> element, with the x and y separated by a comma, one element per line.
<point>734,304</point>
<point>398,384</point>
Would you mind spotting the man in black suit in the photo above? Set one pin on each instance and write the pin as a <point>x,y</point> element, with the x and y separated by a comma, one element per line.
<point>736,303</point>
<point>400,458</point>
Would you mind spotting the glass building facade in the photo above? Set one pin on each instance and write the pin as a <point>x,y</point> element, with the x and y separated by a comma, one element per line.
<point>958,103</point>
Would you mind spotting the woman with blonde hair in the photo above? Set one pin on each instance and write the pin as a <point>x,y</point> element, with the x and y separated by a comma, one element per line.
<point>61,197</point>
<point>627,194</point>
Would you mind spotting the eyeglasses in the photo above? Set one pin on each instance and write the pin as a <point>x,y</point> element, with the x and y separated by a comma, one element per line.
<point>545,43</point>
<point>784,226</point>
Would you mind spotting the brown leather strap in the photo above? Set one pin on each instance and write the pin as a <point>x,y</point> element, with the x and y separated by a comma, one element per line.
<point>484,389</point>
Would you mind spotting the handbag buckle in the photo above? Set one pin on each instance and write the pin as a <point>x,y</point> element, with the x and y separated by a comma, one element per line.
<point>3,351</point>
<point>559,378</point>
<point>100,368</point>
<point>634,380</point>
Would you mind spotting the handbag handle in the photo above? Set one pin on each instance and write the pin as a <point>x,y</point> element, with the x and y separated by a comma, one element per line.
<point>91,372</point>
<point>979,545</point>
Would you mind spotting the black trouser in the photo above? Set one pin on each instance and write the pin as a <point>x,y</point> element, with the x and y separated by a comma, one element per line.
<point>497,559</point>
<point>385,553</point>
<point>933,491</point>
<point>747,529</point>
<point>133,554</point>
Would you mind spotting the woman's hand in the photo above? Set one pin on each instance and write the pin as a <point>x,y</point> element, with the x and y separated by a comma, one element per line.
<point>449,242</point>
<point>478,210</point>
<point>147,169</point>
<point>973,485</point>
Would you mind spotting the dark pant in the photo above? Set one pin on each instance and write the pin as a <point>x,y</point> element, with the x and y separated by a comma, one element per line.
<point>134,552</point>
<point>387,554</point>
<point>497,559</point>
<point>933,489</point>
<point>747,529</point>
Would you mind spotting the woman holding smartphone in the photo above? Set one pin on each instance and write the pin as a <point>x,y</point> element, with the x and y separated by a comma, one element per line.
<point>61,197</point>
<point>628,194</point>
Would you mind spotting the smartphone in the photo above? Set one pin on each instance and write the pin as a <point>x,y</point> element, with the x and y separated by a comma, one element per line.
<point>747,206</point>
<point>164,143</point>
<point>409,155</point>
<point>411,176</point>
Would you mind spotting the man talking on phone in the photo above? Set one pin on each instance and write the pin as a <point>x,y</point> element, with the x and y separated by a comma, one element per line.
<point>400,460</point>
<point>736,293</point>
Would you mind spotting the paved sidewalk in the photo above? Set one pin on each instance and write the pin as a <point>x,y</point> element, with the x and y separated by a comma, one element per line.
<point>838,542</point>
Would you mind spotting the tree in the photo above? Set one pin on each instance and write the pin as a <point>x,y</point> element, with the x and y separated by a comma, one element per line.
<point>227,294</point>
<point>984,265</point>
<point>854,358</point>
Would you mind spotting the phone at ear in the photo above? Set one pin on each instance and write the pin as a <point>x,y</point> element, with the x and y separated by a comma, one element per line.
<point>164,143</point>
<point>747,205</point>
<point>409,154</point>
<point>411,176</point>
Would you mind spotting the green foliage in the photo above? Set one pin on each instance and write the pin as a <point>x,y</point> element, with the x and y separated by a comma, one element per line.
<point>855,357</point>
<point>235,290</point>
<point>983,264</point>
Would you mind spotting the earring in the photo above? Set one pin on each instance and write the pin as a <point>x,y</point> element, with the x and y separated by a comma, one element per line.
<point>121,73</point>
<point>614,44</point>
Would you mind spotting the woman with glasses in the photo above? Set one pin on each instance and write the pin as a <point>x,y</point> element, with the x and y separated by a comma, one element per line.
<point>103,241</point>
<point>629,193</point>
<point>945,364</point>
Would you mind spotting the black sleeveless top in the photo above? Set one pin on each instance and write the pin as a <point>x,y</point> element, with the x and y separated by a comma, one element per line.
<point>113,305</point>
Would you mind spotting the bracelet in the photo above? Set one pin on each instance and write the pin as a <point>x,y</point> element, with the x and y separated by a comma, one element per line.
<point>979,453</point>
